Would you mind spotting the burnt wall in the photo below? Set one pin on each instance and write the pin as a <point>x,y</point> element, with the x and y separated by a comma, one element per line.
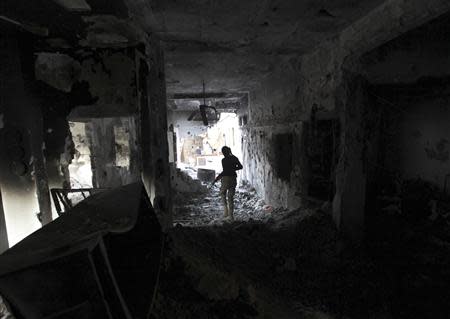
<point>409,89</point>
<point>93,86</point>
<point>105,87</point>
<point>274,160</point>
<point>23,179</point>
<point>41,91</point>
<point>152,101</point>
<point>320,85</point>
<point>108,76</point>
<point>114,151</point>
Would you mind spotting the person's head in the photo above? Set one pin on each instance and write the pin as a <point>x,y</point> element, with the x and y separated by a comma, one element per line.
<point>226,151</point>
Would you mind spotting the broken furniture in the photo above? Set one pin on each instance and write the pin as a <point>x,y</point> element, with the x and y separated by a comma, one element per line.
<point>101,260</point>
<point>65,199</point>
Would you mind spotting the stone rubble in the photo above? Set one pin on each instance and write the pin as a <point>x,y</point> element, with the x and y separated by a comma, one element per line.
<point>205,207</point>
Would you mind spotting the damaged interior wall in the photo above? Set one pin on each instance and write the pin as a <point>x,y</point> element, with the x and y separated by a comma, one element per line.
<point>152,105</point>
<point>23,180</point>
<point>108,75</point>
<point>43,87</point>
<point>116,86</point>
<point>101,92</point>
<point>274,158</point>
<point>410,86</point>
<point>114,152</point>
<point>320,86</point>
<point>410,171</point>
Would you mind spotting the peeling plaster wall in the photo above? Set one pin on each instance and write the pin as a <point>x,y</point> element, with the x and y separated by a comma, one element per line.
<point>112,84</point>
<point>111,80</point>
<point>106,171</point>
<point>88,85</point>
<point>261,155</point>
<point>282,104</point>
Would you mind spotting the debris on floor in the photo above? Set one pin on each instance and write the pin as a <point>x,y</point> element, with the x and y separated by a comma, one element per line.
<point>201,209</point>
<point>274,263</point>
<point>183,182</point>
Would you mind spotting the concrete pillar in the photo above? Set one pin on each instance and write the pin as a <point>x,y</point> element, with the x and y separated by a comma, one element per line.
<point>350,198</point>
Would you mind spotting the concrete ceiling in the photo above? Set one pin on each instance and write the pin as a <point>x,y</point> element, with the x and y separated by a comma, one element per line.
<point>262,25</point>
<point>232,43</point>
<point>422,54</point>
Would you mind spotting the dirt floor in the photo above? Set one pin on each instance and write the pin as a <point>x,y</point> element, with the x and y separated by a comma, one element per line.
<point>272,263</point>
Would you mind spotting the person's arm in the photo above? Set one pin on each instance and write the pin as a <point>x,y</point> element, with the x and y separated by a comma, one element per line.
<point>238,165</point>
<point>218,178</point>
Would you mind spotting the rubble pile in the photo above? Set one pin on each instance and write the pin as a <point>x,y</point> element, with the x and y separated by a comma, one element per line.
<point>183,182</point>
<point>205,208</point>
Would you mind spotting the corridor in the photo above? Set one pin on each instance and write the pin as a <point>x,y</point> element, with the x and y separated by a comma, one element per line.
<point>330,118</point>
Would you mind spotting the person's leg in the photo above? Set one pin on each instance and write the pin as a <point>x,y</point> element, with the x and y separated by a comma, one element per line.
<point>231,192</point>
<point>230,196</point>
<point>223,195</point>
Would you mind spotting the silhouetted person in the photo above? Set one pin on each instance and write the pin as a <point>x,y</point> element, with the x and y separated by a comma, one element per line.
<point>230,165</point>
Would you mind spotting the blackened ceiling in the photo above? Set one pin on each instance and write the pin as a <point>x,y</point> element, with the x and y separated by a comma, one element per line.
<point>231,45</point>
